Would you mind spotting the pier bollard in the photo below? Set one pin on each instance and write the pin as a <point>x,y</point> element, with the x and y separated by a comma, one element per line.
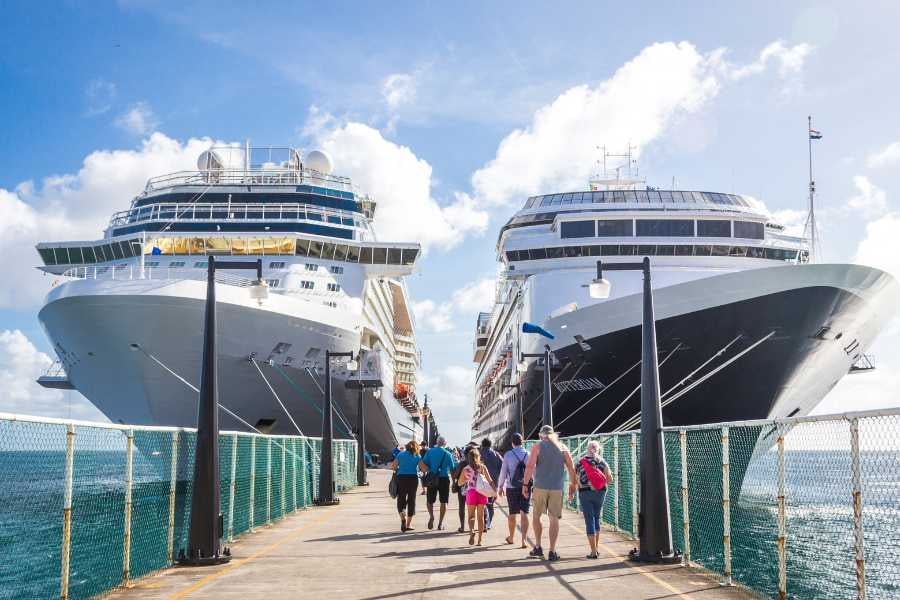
<point>685,506</point>
<point>232,486</point>
<point>67,513</point>
<point>726,507</point>
<point>858,539</point>
<point>782,523</point>
<point>129,465</point>
<point>173,490</point>
<point>252,480</point>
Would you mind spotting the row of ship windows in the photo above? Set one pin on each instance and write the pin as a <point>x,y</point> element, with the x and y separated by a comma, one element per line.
<point>223,246</point>
<point>653,250</point>
<point>179,264</point>
<point>631,196</point>
<point>663,228</point>
<point>169,212</point>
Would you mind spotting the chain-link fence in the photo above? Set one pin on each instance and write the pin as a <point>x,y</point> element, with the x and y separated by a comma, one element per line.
<point>795,508</point>
<point>86,507</point>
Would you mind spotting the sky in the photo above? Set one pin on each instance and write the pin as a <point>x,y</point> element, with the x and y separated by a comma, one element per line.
<point>450,114</point>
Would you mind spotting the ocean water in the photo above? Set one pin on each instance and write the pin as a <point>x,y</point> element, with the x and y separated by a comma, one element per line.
<point>819,521</point>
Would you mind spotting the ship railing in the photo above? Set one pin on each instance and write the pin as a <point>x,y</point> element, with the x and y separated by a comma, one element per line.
<point>70,485</point>
<point>802,507</point>
<point>134,271</point>
<point>261,176</point>
<point>220,212</point>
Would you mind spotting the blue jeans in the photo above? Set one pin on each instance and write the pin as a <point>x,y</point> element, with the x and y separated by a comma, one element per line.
<point>592,509</point>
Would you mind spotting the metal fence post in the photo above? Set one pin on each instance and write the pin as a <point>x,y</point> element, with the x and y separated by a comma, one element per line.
<point>726,507</point>
<point>129,463</point>
<point>294,472</point>
<point>616,482</point>
<point>173,488</point>
<point>269,481</point>
<point>685,505</point>
<point>232,485</point>
<point>856,475</point>
<point>252,479</point>
<point>634,507</point>
<point>67,513</point>
<point>283,477</point>
<point>782,523</point>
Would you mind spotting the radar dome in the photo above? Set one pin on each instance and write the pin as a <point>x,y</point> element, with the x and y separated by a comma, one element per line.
<point>318,160</point>
<point>210,160</point>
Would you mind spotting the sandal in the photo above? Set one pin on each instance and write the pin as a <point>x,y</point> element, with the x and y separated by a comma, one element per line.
<point>592,556</point>
<point>509,540</point>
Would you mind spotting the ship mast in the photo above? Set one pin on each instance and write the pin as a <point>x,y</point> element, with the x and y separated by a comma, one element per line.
<point>810,229</point>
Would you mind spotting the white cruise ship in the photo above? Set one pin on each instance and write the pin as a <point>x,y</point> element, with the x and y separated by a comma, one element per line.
<point>125,315</point>
<point>747,326</point>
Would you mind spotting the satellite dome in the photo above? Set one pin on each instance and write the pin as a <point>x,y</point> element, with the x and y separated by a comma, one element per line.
<point>210,160</point>
<point>318,160</point>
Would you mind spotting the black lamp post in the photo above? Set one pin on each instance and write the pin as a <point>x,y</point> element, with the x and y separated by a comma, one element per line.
<point>654,520</point>
<point>326,466</point>
<point>426,415</point>
<point>206,519</point>
<point>547,408</point>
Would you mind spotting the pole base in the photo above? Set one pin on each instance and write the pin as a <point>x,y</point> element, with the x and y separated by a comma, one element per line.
<point>203,561</point>
<point>363,484</point>
<point>657,559</point>
<point>326,501</point>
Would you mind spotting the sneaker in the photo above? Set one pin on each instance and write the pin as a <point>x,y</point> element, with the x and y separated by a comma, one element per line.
<point>592,556</point>
<point>430,521</point>
<point>553,556</point>
<point>536,552</point>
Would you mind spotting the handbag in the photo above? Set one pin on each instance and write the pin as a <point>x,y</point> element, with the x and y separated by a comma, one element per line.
<point>392,486</point>
<point>483,487</point>
<point>431,477</point>
<point>595,476</point>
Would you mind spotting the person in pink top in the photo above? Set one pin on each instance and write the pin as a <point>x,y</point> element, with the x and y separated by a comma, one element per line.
<point>475,500</point>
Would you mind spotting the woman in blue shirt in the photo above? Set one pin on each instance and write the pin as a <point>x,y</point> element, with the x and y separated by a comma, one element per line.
<point>406,465</point>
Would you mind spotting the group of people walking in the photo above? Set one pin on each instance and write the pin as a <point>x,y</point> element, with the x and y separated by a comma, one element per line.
<point>532,482</point>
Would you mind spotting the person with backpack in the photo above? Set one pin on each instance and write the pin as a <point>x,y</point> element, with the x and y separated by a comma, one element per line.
<point>460,490</point>
<point>593,477</point>
<point>437,464</point>
<point>494,462</point>
<point>510,483</point>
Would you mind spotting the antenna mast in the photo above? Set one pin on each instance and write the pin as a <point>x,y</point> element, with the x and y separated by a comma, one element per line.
<point>810,230</point>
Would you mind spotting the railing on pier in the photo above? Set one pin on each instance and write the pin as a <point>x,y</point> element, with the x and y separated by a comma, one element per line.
<point>86,507</point>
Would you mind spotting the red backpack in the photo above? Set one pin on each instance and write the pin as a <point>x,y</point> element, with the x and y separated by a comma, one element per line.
<point>594,475</point>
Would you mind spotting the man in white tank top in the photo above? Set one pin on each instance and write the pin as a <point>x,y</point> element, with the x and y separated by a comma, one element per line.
<point>548,462</point>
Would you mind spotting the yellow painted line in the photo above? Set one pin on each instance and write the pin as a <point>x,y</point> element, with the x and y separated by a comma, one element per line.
<point>326,514</point>
<point>648,574</point>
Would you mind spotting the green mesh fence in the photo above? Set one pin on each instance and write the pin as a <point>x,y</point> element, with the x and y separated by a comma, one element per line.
<point>130,498</point>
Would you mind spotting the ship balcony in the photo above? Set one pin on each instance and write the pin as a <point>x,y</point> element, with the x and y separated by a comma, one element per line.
<point>255,176</point>
<point>237,212</point>
<point>480,345</point>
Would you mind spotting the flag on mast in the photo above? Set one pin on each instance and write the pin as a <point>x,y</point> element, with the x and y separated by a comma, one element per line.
<point>815,134</point>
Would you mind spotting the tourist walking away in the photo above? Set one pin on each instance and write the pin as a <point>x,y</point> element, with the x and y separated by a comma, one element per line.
<point>460,490</point>
<point>437,464</point>
<point>406,464</point>
<point>510,483</point>
<point>494,462</point>
<point>479,485</point>
<point>593,477</point>
<point>548,462</point>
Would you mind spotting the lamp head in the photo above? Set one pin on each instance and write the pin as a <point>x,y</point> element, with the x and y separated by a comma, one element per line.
<point>259,291</point>
<point>599,288</point>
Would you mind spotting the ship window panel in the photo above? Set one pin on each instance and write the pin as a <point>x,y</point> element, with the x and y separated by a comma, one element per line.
<point>167,211</point>
<point>410,255</point>
<point>340,252</point>
<point>537,253</point>
<point>567,198</point>
<point>353,254</point>
<point>347,221</point>
<point>254,212</point>
<point>315,249</point>
<point>88,254</point>
<point>756,252</point>
<point>615,228</point>
<point>641,196</point>
<point>573,251</point>
<point>180,246</point>
<point>609,250</point>
<point>738,251</point>
<point>702,250</point>
<point>302,247</point>
<point>512,255</point>
<point>307,285</point>
<point>684,250</point>
<point>618,196</point>
<point>748,230</point>
<point>196,246</point>
<point>256,246</point>
<point>328,250</point>
<point>240,246</point>
<point>714,228</point>
<point>272,212</point>
<point>627,250</point>
<point>313,216</point>
<point>557,199</point>
<point>577,229</point>
<point>108,253</point>
<point>334,219</point>
<point>379,256</point>
<point>697,197</point>
<point>665,227</point>
<point>98,252</point>
<point>646,250</point>
<point>665,250</point>
<point>556,252</point>
<point>720,250</point>
<point>592,250</point>
<point>47,255</point>
<point>790,254</point>
<point>218,246</point>
<point>630,196</point>
<point>365,255</point>
<point>290,213</point>
<point>117,249</point>
<point>269,246</point>
<point>653,196</point>
<point>201,264</point>
<point>203,212</point>
<point>176,264</point>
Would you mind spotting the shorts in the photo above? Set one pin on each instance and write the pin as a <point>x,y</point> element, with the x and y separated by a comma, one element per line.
<point>547,501</point>
<point>442,488</point>
<point>516,501</point>
<point>473,498</point>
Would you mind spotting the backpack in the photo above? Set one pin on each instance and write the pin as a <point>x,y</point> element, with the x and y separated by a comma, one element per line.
<point>595,476</point>
<point>518,476</point>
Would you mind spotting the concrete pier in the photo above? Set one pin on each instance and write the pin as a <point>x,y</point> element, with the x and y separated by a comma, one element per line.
<point>356,550</point>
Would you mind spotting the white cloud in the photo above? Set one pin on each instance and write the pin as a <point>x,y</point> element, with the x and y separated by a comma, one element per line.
<point>440,317</point>
<point>793,220</point>
<point>20,366</point>
<point>888,155</point>
<point>139,119</point>
<point>400,182</point>
<point>398,89</point>
<point>870,200</point>
<point>451,393</point>
<point>556,151</point>
<point>881,246</point>
<point>78,206</point>
<point>475,296</point>
<point>433,316</point>
<point>99,96</point>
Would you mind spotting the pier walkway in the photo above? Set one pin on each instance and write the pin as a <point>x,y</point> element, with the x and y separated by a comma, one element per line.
<point>355,550</point>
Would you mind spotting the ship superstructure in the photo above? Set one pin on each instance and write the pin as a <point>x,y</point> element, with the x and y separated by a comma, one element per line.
<point>125,314</point>
<point>747,327</point>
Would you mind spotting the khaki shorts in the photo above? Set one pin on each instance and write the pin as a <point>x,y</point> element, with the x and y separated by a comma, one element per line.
<point>547,501</point>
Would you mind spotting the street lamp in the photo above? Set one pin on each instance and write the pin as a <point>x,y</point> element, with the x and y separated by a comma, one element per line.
<point>426,412</point>
<point>654,524</point>
<point>361,384</point>
<point>326,466</point>
<point>206,520</point>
